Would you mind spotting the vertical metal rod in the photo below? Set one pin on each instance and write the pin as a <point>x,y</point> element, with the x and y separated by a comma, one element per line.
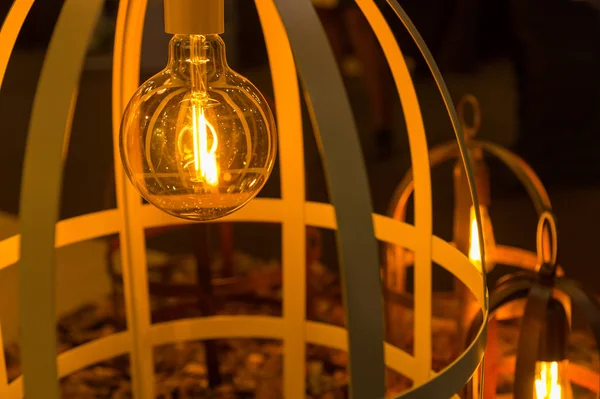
<point>41,191</point>
<point>291,160</point>
<point>206,306</point>
<point>126,70</point>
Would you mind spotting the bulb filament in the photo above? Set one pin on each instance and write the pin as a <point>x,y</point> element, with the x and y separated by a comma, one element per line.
<point>205,160</point>
<point>474,250</point>
<point>546,384</point>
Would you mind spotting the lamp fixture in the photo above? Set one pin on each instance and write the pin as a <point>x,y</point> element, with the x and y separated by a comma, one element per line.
<point>198,140</point>
<point>465,228</point>
<point>542,370</point>
<point>551,380</point>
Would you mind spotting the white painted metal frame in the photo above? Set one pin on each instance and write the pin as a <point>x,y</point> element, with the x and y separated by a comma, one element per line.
<point>316,214</point>
<point>40,191</point>
<point>8,36</point>
<point>126,70</point>
<point>42,232</point>
<point>293,196</point>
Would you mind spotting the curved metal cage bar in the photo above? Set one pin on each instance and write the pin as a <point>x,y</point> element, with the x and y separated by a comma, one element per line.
<point>449,151</point>
<point>50,120</point>
<point>348,188</point>
<point>286,24</point>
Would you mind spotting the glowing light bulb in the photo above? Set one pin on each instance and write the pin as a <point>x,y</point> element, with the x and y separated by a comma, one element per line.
<point>197,139</point>
<point>488,238</point>
<point>551,381</point>
<point>474,248</point>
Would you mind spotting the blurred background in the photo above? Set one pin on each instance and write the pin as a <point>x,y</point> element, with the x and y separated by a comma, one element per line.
<point>533,65</point>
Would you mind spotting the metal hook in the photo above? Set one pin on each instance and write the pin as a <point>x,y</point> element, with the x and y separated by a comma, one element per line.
<point>547,240</point>
<point>470,131</point>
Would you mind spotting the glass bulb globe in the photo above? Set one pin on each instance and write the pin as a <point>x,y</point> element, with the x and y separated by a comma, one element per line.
<point>198,140</point>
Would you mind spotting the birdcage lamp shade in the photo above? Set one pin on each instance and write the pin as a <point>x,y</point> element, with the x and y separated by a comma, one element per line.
<point>296,45</point>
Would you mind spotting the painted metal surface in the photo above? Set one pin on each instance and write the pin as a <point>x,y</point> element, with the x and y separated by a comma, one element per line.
<point>126,70</point>
<point>419,153</point>
<point>337,137</point>
<point>8,36</point>
<point>291,162</point>
<point>41,189</point>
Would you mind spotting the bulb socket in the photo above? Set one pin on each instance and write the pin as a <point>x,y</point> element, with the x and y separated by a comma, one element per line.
<point>555,334</point>
<point>194,17</point>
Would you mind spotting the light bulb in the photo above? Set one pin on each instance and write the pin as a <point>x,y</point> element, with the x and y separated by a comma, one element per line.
<point>488,238</point>
<point>551,380</point>
<point>198,140</point>
<point>466,236</point>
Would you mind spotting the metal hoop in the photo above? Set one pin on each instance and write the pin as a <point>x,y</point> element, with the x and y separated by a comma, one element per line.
<point>547,240</point>
<point>470,130</point>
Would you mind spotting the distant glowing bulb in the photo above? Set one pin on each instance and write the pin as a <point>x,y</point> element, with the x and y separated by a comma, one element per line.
<point>488,238</point>
<point>198,140</point>
<point>551,381</point>
<point>474,248</point>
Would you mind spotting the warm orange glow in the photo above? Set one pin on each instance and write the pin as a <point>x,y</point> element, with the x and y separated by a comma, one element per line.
<point>474,249</point>
<point>205,160</point>
<point>547,381</point>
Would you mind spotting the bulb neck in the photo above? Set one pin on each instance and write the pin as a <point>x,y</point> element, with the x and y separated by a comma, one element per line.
<point>190,55</point>
<point>555,334</point>
<point>194,17</point>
